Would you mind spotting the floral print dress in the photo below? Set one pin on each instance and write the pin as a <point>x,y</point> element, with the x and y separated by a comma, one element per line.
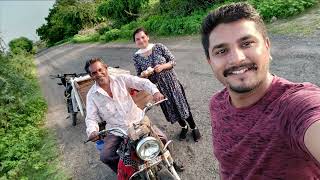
<point>176,107</point>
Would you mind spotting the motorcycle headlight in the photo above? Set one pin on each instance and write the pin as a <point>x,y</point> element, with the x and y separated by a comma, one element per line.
<point>148,148</point>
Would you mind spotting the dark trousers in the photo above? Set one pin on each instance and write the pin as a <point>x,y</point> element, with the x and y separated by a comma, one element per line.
<point>190,120</point>
<point>108,154</point>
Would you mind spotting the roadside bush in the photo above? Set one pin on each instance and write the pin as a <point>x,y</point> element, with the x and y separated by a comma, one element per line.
<point>183,7</point>
<point>281,8</point>
<point>85,38</point>
<point>103,28</point>
<point>26,150</point>
<point>21,45</point>
<point>112,35</point>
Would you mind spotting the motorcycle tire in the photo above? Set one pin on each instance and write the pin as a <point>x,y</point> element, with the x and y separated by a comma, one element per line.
<point>165,174</point>
<point>73,117</point>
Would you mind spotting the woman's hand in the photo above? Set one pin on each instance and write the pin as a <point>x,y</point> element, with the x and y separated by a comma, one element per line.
<point>148,72</point>
<point>159,67</point>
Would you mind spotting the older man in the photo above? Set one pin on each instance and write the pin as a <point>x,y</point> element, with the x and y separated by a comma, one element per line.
<point>110,100</point>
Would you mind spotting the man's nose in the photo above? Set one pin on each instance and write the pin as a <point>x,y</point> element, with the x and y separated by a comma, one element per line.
<point>99,73</point>
<point>236,56</point>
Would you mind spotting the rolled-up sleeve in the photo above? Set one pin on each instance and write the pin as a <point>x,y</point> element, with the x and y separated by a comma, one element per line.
<point>139,83</point>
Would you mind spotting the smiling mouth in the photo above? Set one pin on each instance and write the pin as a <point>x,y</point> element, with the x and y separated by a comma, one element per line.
<point>240,69</point>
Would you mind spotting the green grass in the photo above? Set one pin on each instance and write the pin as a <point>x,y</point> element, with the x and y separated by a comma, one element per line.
<point>306,24</point>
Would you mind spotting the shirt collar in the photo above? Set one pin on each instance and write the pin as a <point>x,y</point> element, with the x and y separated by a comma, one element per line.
<point>97,88</point>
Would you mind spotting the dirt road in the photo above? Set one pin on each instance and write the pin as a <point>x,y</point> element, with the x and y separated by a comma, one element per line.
<point>297,59</point>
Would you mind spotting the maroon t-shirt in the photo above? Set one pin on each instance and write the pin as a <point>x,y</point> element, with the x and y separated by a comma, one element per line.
<point>265,140</point>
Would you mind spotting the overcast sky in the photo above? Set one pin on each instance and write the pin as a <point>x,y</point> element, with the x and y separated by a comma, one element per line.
<point>22,18</point>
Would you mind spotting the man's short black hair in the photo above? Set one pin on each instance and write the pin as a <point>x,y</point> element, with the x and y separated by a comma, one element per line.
<point>92,61</point>
<point>227,14</point>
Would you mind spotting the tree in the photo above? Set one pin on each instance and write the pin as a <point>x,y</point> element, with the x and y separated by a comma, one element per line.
<point>183,7</point>
<point>21,45</point>
<point>121,11</point>
<point>2,46</point>
<point>66,18</point>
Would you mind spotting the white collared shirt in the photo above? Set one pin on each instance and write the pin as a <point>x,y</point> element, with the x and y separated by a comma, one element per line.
<point>119,110</point>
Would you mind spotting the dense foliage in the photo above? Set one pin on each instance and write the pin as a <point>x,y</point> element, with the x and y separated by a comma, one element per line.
<point>181,17</point>
<point>21,45</point>
<point>159,17</point>
<point>121,11</point>
<point>26,150</point>
<point>66,18</point>
<point>281,8</point>
<point>183,7</point>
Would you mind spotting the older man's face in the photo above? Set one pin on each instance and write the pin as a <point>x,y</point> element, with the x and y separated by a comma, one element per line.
<point>99,73</point>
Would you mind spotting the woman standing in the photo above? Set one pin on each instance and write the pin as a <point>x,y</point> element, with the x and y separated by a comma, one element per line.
<point>156,62</point>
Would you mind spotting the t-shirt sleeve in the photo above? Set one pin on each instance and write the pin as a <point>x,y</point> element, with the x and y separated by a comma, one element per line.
<point>302,109</point>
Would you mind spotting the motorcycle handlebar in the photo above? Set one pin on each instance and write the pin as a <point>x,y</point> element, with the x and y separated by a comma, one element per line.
<point>105,131</point>
<point>150,105</point>
<point>121,131</point>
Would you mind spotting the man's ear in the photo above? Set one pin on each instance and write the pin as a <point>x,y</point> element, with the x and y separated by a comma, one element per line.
<point>267,43</point>
<point>208,60</point>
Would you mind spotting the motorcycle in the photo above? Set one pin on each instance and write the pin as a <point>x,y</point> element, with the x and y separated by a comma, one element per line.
<point>69,93</point>
<point>144,153</point>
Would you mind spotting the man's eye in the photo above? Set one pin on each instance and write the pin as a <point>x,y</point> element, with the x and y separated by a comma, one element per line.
<point>220,51</point>
<point>247,44</point>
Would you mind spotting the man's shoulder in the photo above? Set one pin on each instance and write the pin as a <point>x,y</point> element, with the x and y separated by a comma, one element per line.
<point>92,89</point>
<point>120,77</point>
<point>220,95</point>
<point>294,90</point>
<point>291,94</point>
<point>219,98</point>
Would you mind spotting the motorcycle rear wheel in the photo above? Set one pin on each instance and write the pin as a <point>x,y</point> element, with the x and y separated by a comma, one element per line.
<point>73,117</point>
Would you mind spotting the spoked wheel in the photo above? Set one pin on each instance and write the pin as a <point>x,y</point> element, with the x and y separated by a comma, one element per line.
<point>73,117</point>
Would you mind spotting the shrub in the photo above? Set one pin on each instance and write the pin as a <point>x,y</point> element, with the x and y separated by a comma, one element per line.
<point>21,45</point>
<point>183,7</point>
<point>121,11</point>
<point>281,8</point>
<point>25,150</point>
<point>111,35</point>
<point>85,38</point>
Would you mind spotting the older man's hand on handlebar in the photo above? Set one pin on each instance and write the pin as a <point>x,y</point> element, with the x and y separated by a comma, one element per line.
<point>94,136</point>
<point>157,97</point>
